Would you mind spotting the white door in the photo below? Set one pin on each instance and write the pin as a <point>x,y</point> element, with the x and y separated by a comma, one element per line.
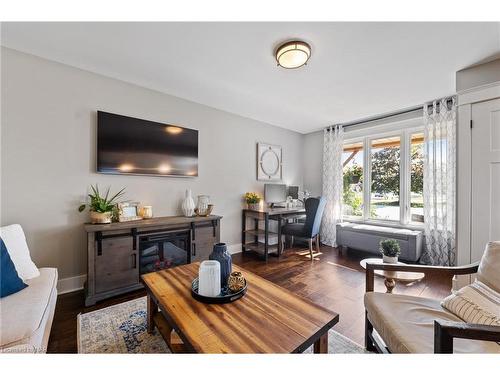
<point>485,176</point>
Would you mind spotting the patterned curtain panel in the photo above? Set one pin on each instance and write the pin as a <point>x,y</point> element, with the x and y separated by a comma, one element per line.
<point>440,120</point>
<point>333,140</point>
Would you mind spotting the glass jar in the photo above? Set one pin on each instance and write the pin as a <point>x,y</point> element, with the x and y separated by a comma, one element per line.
<point>202,206</point>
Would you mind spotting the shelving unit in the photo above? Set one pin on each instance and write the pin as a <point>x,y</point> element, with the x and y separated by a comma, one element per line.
<point>265,215</point>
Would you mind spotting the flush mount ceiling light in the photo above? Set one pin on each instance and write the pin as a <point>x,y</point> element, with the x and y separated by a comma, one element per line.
<point>292,55</point>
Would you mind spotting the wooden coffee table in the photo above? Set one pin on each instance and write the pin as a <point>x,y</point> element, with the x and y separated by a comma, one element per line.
<point>392,276</point>
<point>268,319</point>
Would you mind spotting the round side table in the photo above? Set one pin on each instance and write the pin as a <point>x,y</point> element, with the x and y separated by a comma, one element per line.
<point>392,276</point>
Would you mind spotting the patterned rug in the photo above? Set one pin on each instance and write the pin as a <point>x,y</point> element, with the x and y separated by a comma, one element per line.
<point>122,329</point>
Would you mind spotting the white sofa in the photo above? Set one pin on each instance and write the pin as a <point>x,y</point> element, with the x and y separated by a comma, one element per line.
<point>26,316</point>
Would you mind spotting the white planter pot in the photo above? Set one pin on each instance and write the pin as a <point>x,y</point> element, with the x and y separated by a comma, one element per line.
<point>392,260</point>
<point>188,204</point>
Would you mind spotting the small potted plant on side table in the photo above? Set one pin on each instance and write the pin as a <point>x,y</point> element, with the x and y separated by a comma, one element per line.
<point>252,200</point>
<point>101,207</point>
<point>390,250</point>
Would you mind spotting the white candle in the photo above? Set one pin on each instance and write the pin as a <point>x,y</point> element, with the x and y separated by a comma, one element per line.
<point>209,278</point>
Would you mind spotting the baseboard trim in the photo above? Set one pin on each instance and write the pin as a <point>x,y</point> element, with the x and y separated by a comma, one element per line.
<point>234,248</point>
<point>71,284</point>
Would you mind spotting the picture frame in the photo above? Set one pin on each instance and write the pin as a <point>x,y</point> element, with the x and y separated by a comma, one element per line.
<point>269,162</point>
<point>128,211</point>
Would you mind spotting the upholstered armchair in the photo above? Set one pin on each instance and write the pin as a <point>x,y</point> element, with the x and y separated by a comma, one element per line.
<point>310,228</point>
<point>407,324</point>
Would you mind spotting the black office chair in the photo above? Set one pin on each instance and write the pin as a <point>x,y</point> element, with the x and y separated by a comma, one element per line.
<point>310,228</point>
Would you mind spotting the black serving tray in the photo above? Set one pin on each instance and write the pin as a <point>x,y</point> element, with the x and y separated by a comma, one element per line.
<point>226,295</point>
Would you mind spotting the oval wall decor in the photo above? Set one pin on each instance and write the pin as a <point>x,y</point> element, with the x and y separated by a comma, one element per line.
<point>269,162</point>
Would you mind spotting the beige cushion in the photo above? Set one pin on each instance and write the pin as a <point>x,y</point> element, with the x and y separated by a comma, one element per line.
<point>475,303</point>
<point>489,268</point>
<point>406,324</point>
<point>26,316</point>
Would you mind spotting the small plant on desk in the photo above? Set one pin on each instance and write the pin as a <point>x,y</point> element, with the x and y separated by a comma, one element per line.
<point>253,201</point>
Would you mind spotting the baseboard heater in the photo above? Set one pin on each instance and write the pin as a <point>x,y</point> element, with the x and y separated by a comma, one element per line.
<point>366,237</point>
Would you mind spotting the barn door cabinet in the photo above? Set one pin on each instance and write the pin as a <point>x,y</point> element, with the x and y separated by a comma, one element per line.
<point>114,257</point>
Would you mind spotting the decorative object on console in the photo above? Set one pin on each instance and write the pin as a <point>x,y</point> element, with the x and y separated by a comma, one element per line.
<point>188,204</point>
<point>209,283</point>
<point>269,162</point>
<point>147,212</point>
<point>252,200</point>
<point>221,254</point>
<point>390,250</point>
<point>101,208</point>
<point>202,206</point>
<point>236,282</point>
<point>128,211</point>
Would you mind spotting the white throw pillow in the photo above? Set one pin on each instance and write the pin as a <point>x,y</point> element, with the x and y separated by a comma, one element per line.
<point>15,241</point>
<point>475,303</point>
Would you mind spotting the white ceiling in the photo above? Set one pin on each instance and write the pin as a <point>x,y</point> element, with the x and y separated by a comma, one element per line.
<point>356,69</point>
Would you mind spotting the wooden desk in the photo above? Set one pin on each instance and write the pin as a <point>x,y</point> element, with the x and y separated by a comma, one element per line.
<point>268,319</point>
<point>265,214</point>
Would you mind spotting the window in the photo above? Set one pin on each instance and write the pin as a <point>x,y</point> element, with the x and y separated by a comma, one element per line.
<point>383,177</point>
<point>417,178</point>
<point>352,162</point>
<point>385,157</point>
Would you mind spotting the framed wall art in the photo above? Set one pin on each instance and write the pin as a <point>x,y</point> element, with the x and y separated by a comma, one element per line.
<point>269,162</point>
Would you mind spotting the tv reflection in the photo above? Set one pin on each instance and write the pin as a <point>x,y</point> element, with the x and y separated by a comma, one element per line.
<point>148,163</point>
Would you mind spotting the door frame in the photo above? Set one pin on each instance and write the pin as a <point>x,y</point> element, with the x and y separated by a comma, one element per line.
<point>466,99</point>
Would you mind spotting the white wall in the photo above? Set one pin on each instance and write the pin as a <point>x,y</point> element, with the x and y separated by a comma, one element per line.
<point>48,154</point>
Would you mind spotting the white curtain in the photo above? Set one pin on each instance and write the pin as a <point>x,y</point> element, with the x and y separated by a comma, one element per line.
<point>440,122</point>
<point>333,140</point>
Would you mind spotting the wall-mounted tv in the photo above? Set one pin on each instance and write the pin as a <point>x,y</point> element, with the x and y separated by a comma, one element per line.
<point>127,145</point>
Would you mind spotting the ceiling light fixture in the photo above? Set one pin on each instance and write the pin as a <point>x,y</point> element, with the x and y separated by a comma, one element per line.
<point>294,54</point>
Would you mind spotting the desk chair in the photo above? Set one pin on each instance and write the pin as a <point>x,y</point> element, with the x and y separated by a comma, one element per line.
<point>310,228</point>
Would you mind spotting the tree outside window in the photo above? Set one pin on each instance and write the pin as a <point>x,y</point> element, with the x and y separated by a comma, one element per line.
<point>386,167</point>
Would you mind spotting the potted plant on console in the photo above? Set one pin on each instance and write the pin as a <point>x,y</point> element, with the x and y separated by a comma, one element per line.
<point>390,250</point>
<point>101,207</point>
<point>252,200</point>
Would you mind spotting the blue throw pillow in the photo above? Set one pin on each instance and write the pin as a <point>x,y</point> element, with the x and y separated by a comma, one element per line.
<point>10,282</point>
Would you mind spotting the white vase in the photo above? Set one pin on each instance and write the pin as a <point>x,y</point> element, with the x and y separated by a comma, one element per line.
<point>392,260</point>
<point>209,284</point>
<point>188,204</point>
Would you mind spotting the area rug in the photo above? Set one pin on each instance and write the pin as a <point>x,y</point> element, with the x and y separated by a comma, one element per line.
<point>122,329</point>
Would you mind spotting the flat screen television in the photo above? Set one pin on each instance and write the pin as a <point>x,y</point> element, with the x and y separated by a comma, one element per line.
<point>127,145</point>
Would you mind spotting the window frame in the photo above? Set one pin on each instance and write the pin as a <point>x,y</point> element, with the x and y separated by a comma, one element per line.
<point>405,134</point>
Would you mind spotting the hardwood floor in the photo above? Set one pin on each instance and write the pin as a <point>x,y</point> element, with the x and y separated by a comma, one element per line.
<point>334,281</point>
